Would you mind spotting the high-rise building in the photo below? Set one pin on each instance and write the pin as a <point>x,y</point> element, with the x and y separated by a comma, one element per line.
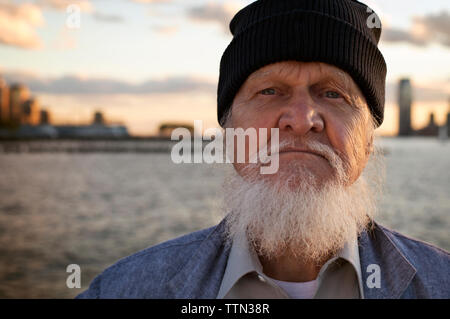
<point>4,102</point>
<point>448,124</point>
<point>44,118</point>
<point>18,95</point>
<point>448,118</point>
<point>98,118</point>
<point>30,112</point>
<point>404,103</point>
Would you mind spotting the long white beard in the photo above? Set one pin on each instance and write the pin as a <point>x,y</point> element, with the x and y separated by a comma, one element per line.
<point>306,222</point>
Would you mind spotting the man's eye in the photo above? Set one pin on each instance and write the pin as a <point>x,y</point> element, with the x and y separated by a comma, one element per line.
<point>332,94</point>
<point>268,91</point>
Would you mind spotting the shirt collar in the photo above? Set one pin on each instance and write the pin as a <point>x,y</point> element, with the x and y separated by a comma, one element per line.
<point>350,253</point>
<point>243,260</point>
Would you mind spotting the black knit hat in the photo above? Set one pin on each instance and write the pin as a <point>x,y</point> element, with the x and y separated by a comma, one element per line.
<point>336,32</point>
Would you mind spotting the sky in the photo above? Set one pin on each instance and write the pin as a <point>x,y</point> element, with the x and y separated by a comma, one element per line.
<point>146,62</point>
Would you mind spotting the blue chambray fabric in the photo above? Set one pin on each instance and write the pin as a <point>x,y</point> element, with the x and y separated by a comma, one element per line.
<point>192,266</point>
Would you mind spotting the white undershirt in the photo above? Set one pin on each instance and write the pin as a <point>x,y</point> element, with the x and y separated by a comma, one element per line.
<point>299,290</point>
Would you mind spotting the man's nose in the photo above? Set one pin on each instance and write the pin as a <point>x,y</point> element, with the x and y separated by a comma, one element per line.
<point>301,116</point>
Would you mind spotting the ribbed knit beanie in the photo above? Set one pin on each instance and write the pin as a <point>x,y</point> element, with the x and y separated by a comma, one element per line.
<point>338,32</point>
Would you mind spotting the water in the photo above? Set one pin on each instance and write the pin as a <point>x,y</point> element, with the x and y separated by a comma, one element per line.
<point>58,209</point>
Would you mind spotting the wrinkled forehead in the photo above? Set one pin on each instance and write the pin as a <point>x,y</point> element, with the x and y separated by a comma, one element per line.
<point>307,72</point>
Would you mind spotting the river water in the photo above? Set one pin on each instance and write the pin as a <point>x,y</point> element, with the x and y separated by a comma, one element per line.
<point>92,209</point>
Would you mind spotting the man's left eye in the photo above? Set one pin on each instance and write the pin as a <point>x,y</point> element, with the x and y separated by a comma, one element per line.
<point>332,94</point>
<point>267,91</point>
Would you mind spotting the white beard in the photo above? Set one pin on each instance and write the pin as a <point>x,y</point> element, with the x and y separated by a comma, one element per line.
<point>306,222</point>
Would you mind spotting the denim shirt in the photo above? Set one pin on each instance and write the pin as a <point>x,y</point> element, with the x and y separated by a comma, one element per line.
<point>192,266</point>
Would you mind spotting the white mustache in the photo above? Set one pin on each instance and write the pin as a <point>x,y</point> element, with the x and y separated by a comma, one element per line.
<point>309,146</point>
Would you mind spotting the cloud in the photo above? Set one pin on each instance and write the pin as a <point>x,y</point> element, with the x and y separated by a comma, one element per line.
<point>18,23</point>
<point>110,18</point>
<point>397,35</point>
<point>425,30</point>
<point>436,27</point>
<point>220,13</point>
<point>79,85</point>
<point>152,1</point>
<point>165,29</point>
<point>84,5</point>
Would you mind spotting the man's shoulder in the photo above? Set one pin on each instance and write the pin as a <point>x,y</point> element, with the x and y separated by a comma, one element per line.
<point>418,252</point>
<point>144,272</point>
<point>426,265</point>
<point>407,267</point>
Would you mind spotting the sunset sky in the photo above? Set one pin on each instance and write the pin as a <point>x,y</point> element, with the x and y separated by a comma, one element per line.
<point>144,62</point>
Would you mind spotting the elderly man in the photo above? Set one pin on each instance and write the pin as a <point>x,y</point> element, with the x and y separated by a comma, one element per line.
<point>312,70</point>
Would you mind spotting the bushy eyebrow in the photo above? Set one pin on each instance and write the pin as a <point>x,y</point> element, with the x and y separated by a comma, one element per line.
<point>259,74</point>
<point>343,83</point>
<point>347,87</point>
<point>336,79</point>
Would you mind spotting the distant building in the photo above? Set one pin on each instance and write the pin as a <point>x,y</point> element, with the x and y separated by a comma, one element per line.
<point>448,124</point>
<point>404,103</point>
<point>21,117</point>
<point>448,118</point>
<point>98,118</point>
<point>4,102</point>
<point>432,129</point>
<point>166,129</point>
<point>30,112</point>
<point>91,131</point>
<point>44,117</point>
<point>18,94</point>
<point>31,131</point>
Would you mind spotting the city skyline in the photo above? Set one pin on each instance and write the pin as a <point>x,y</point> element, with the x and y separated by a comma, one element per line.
<point>19,107</point>
<point>21,117</point>
<point>148,62</point>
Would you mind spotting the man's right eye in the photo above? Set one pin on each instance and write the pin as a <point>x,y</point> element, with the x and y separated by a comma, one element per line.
<point>268,91</point>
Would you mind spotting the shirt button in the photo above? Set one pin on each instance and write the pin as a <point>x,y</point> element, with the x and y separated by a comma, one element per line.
<point>261,278</point>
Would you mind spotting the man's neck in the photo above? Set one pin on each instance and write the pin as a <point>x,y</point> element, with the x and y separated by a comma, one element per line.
<point>291,268</point>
